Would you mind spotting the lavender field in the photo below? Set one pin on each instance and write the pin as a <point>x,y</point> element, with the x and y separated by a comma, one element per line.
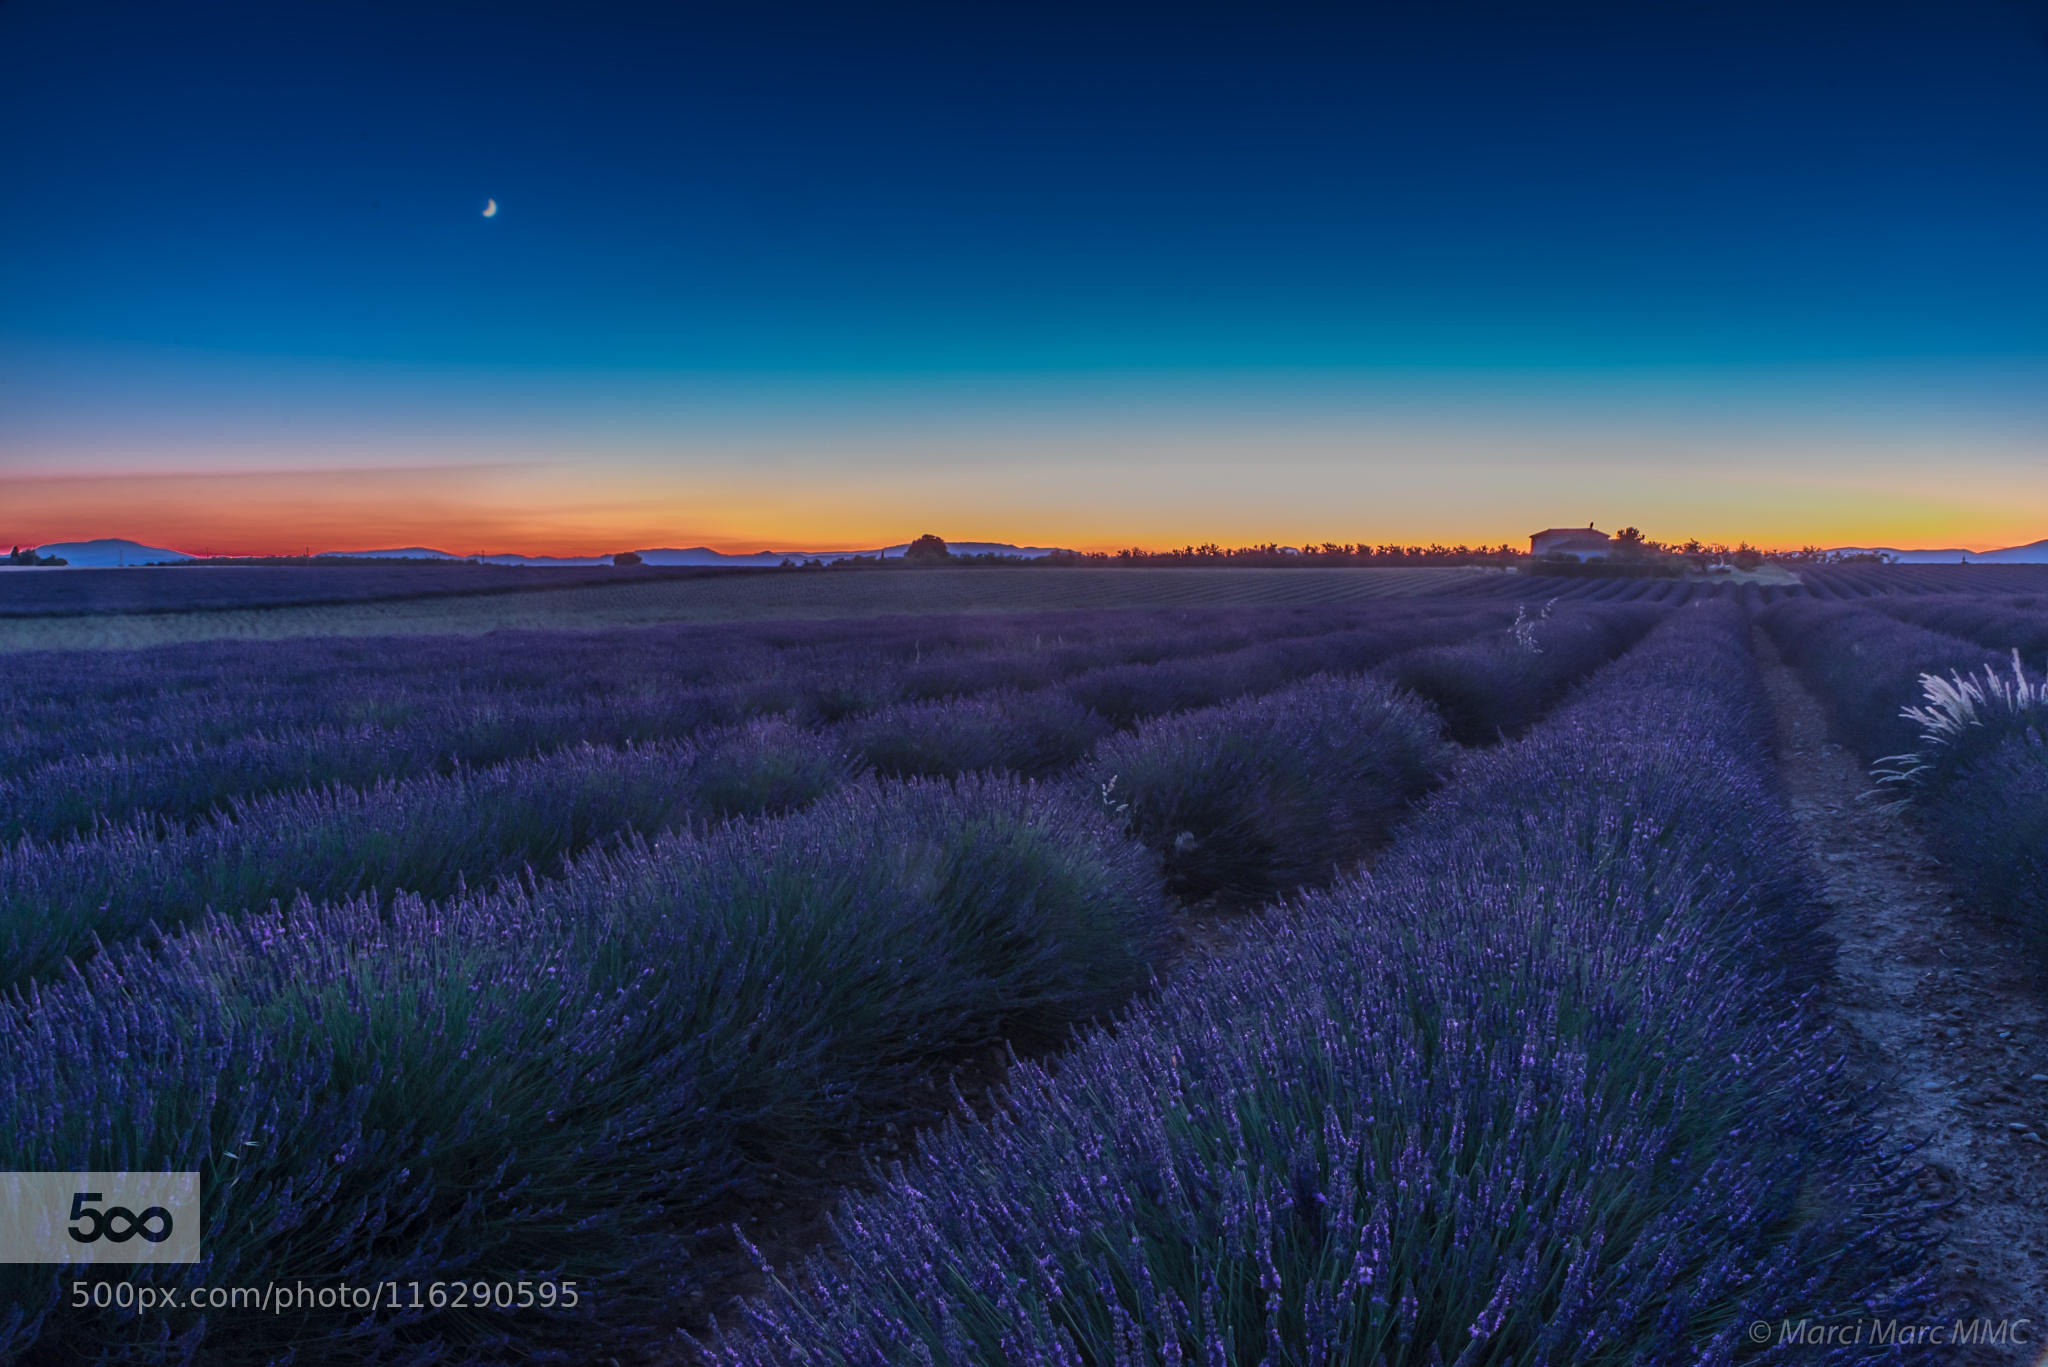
<point>99,610</point>
<point>1435,976</point>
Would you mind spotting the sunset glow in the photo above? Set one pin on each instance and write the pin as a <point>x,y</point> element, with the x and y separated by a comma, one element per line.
<point>1411,281</point>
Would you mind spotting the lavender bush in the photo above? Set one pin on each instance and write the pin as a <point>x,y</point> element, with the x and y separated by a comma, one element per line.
<point>1034,734</point>
<point>2017,622</point>
<point>1497,685</point>
<point>1953,732</point>
<point>1866,667</point>
<point>575,1080</point>
<point>1990,823</point>
<point>189,745</point>
<point>1542,1089</point>
<point>603,686</point>
<point>430,835</point>
<point>1128,694</point>
<point>1979,779</point>
<point>1264,795</point>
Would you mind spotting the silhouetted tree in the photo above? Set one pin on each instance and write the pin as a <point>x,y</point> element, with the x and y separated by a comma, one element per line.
<point>627,558</point>
<point>927,550</point>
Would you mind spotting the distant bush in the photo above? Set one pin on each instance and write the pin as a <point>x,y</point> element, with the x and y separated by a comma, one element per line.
<point>1127,694</point>
<point>2001,623</point>
<point>926,550</point>
<point>1256,798</point>
<point>1496,685</point>
<point>1033,734</point>
<point>627,558</point>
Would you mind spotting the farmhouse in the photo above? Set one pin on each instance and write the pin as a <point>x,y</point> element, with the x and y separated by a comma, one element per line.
<point>1580,543</point>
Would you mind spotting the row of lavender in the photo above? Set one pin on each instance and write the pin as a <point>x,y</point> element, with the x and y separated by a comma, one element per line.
<point>1884,581</point>
<point>435,834</point>
<point>178,732</point>
<point>2018,622</point>
<point>522,1083</point>
<point>1671,591</point>
<point>1543,1088</point>
<point>1955,728</point>
<point>1250,802</point>
<point>1828,582</point>
<point>218,588</point>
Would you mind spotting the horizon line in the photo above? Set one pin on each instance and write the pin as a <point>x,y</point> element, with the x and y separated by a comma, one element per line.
<point>1110,548</point>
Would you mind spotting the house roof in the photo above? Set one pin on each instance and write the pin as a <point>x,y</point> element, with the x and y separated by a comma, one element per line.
<point>1582,542</point>
<point>1586,532</point>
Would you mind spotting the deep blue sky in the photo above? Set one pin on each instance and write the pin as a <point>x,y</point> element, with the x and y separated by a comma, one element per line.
<point>765,209</point>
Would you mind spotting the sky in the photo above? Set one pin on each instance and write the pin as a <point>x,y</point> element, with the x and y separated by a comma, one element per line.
<point>817,277</point>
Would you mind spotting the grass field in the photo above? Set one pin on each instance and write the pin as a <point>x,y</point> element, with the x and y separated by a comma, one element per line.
<point>738,598</point>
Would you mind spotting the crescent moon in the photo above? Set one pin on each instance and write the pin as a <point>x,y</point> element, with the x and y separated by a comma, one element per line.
<point>490,208</point>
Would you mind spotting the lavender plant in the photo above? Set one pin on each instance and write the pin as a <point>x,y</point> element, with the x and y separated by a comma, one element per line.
<point>188,745</point>
<point>1979,779</point>
<point>2000,622</point>
<point>1990,825</point>
<point>1961,717</point>
<point>1034,734</point>
<point>430,835</point>
<point>1496,685</point>
<point>1864,665</point>
<point>574,1080</point>
<point>1128,694</point>
<point>1541,1089</point>
<point>1268,794</point>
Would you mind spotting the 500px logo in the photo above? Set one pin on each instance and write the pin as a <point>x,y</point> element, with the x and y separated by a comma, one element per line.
<point>99,1224</point>
<point>99,1217</point>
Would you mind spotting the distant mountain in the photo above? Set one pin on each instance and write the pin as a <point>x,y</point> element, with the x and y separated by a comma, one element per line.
<point>2034,553</point>
<point>402,553</point>
<point>115,552</point>
<point>982,548</point>
<point>704,555</point>
<point>108,552</point>
<point>545,561</point>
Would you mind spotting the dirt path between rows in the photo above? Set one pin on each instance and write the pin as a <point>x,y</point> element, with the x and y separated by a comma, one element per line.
<point>1942,1013</point>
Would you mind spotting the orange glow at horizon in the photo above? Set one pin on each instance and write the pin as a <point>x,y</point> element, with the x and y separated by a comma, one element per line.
<point>220,457</point>
<point>552,511</point>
